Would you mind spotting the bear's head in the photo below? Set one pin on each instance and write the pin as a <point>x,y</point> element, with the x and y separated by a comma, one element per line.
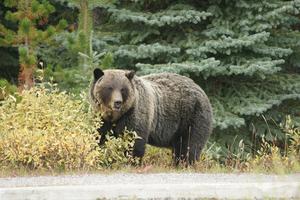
<point>112,93</point>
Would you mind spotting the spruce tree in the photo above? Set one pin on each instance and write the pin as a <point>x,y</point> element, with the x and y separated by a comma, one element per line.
<point>8,55</point>
<point>31,17</point>
<point>242,53</point>
<point>81,43</point>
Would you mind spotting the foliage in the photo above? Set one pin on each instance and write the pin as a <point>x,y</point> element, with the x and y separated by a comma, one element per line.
<point>65,71</point>
<point>82,43</point>
<point>31,17</point>
<point>56,131</point>
<point>59,48</point>
<point>8,55</point>
<point>6,89</point>
<point>244,54</point>
<point>293,136</point>
<point>116,152</point>
<point>9,64</point>
<point>269,158</point>
<point>76,51</point>
<point>49,129</point>
<point>73,80</point>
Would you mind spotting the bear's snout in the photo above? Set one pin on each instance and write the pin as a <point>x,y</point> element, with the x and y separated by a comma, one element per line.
<point>116,100</point>
<point>117,105</point>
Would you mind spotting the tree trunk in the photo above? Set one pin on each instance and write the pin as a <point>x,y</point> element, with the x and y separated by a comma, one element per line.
<point>85,27</point>
<point>25,77</point>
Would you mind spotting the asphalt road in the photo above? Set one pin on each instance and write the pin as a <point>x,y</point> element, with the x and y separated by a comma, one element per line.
<point>151,186</point>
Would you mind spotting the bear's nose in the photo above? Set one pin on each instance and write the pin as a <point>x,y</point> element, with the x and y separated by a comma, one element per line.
<point>117,104</point>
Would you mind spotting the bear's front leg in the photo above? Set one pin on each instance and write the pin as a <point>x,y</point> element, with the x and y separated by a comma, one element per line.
<point>106,126</point>
<point>139,148</point>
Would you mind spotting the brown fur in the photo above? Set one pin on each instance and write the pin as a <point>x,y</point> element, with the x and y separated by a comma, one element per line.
<point>166,110</point>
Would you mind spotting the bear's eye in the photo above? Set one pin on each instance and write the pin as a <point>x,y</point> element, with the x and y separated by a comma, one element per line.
<point>109,88</point>
<point>124,90</point>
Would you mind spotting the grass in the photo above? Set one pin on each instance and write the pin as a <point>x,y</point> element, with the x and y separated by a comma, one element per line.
<point>48,132</point>
<point>160,161</point>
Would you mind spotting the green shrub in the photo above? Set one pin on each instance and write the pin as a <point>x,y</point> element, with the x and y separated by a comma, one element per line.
<point>6,88</point>
<point>116,152</point>
<point>50,129</point>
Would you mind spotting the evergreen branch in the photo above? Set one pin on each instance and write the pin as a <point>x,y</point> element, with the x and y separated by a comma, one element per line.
<point>225,43</point>
<point>223,118</point>
<point>205,67</point>
<point>271,50</point>
<point>261,95</point>
<point>150,51</point>
<point>168,17</point>
<point>211,67</point>
<point>260,67</point>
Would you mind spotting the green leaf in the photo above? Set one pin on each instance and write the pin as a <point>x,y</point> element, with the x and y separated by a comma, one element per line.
<point>25,25</point>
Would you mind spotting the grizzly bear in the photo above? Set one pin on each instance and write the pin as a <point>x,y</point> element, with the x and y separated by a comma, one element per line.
<point>165,110</point>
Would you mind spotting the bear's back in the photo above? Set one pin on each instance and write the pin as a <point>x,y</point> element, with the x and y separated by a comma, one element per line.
<point>177,84</point>
<point>176,98</point>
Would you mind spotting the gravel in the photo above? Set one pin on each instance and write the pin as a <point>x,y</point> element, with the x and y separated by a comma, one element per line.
<point>149,186</point>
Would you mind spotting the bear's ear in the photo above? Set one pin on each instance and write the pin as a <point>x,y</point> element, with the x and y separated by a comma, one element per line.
<point>130,74</point>
<point>98,73</point>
